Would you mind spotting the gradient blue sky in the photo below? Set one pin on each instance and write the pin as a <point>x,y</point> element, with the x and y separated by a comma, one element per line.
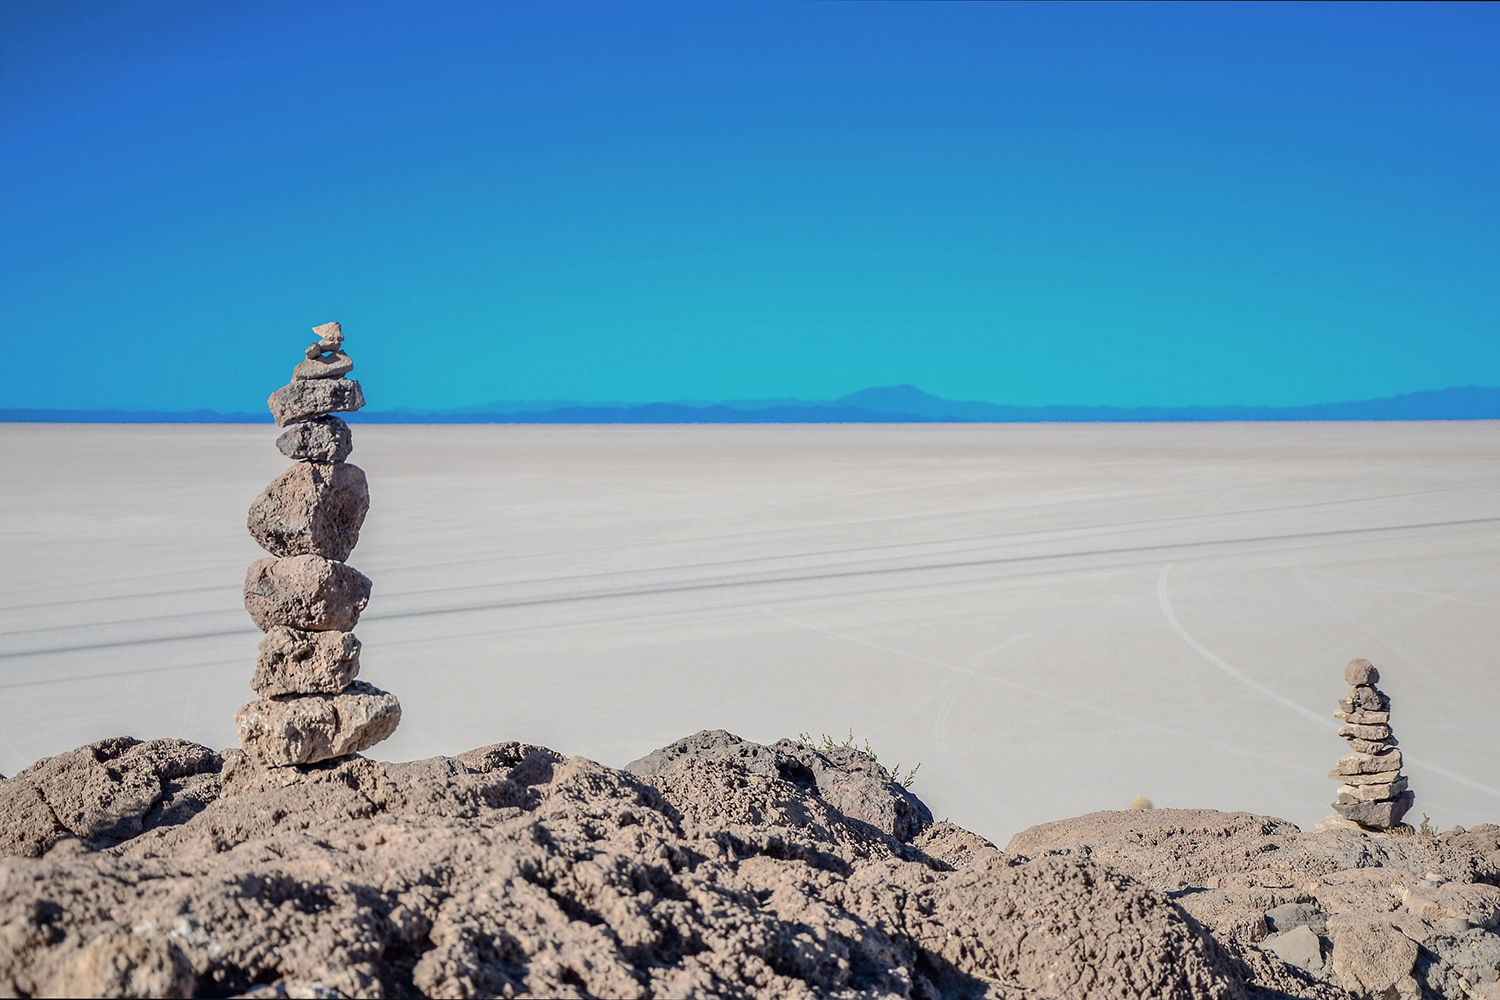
<point>1076,203</point>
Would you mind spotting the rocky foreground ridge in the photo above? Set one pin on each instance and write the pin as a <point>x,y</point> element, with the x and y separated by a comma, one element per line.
<point>713,867</point>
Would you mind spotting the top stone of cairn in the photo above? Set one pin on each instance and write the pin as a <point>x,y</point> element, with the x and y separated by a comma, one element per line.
<point>1360,673</point>
<point>318,386</point>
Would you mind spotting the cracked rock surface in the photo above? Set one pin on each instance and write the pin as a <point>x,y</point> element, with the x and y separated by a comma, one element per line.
<point>514,871</point>
<point>1391,916</point>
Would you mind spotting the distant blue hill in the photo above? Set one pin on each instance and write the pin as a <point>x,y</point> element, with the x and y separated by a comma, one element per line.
<point>887,404</point>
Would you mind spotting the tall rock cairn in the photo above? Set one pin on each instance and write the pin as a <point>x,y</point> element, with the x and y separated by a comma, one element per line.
<point>304,596</point>
<point>1374,792</point>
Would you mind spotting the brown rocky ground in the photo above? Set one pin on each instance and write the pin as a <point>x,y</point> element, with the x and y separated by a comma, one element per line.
<point>714,867</point>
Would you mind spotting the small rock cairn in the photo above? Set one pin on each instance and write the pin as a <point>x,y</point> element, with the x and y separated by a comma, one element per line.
<point>1374,792</point>
<point>305,597</point>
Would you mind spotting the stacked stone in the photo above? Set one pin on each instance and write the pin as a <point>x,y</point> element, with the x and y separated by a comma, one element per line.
<point>305,597</point>
<point>1374,792</point>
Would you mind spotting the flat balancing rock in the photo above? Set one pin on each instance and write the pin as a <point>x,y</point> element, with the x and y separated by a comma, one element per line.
<point>304,729</point>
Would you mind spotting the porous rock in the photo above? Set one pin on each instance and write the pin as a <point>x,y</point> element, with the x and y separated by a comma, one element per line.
<point>1366,699</point>
<point>301,399</point>
<point>1372,958</point>
<point>512,871</point>
<point>847,779</point>
<point>1380,814</point>
<point>1371,793</point>
<point>1365,732</point>
<point>312,507</point>
<point>1477,905</point>
<point>1361,672</point>
<point>105,792</point>
<point>1222,868</point>
<point>1378,778</point>
<point>1362,718</point>
<point>321,439</point>
<point>296,662</point>
<point>305,592</point>
<point>1367,763</point>
<point>306,729</point>
<point>334,364</point>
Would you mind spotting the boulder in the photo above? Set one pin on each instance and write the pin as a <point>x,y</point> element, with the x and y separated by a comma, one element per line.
<point>305,729</point>
<point>1373,959</point>
<point>105,792</point>
<point>301,399</point>
<point>305,592</point>
<point>1361,672</point>
<point>1298,946</point>
<point>1382,815</point>
<point>847,779</point>
<point>312,508</point>
<point>321,439</point>
<point>296,662</point>
<point>335,364</point>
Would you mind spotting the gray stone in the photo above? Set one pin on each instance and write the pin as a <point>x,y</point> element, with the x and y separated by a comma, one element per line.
<point>1371,793</point>
<point>1476,904</point>
<point>846,779</point>
<point>1363,718</point>
<point>335,364</point>
<point>299,400</point>
<point>1369,763</point>
<point>296,662</point>
<point>305,592</point>
<point>321,439</point>
<point>304,729</point>
<point>1287,916</point>
<point>1373,959</point>
<point>331,332</point>
<point>313,507</point>
<point>1381,815</point>
<point>1298,946</point>
<point>1361,672</point>
<point>1365,732</point>
<point>1382,778</point>
<point>1372,746</point>
<point>1366,699</point>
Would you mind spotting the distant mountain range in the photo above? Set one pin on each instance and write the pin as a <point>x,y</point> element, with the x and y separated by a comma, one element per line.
<point>887,404</point>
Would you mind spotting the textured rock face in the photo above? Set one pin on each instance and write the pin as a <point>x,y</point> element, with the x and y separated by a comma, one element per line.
<point>300,399</point>
<point>846,779</point>
<point>296,662</point>
<point>321,439</point>
<point>104,793</point>
<point>306,729</point>
<point>512,871</point>
<point>313,507</point>
<point>1393,916</point>
<point>305,592</point>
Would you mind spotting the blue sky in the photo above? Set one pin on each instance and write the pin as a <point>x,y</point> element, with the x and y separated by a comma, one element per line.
<point>1123,204</point>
